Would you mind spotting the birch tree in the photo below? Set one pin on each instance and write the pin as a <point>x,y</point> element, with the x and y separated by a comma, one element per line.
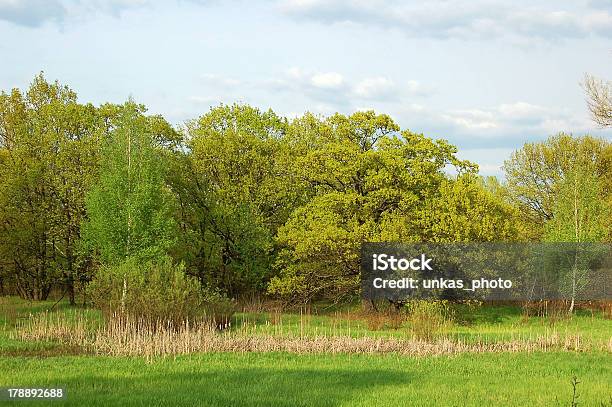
<point>580,216</point>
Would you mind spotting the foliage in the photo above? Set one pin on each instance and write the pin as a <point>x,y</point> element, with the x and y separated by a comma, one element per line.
<point>534,173</point>
<point>130,207</point>
<point>253,203</point>
<point>148,292</point>
<point>427,319</point>
<point>48,158</point>
<point>235,193</point>
<point>579,214</point>
<point>371,183</point>
<point>464,210</point>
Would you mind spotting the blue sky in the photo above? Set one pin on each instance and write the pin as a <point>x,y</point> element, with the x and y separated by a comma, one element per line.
<point>486,75</point>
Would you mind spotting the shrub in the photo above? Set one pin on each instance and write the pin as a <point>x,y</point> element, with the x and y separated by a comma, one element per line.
<point>428,318</point>
<point>155,291</point>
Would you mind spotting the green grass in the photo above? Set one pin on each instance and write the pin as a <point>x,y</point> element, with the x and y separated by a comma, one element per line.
<point>282,379</point>
<point>485,323</point>
<point>14,311</point>
<point>472,324</point>
<point>279,379</point>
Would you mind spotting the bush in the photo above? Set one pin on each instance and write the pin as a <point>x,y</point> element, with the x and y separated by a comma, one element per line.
<point>428,318</point>
<point>155,291</point>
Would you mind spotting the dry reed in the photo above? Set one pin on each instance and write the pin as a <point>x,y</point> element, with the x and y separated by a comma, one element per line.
<point>125,337</point>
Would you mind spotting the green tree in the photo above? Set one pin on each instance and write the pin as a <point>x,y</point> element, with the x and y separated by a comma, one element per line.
<point>49,154</point>
<point>130,209</point>
<point>236,191</point>
<point>534,172</point>
<point>579,216</point>
<point>370,180</point>
<point>470,209</point>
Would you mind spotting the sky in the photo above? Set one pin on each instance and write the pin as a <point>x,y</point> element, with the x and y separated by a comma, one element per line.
<point>486,75</point>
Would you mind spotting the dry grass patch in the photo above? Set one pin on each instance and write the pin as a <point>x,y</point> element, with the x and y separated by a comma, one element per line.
<point>125,337</point>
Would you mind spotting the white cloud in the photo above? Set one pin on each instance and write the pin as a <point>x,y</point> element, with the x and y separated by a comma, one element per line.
<point>503,125</point>
<point>520,109</point>
<point>473,119</point>
<point>31,13</point>
<point>329,88</point>
<point>334,88</point>
<point>34,13</point>
<point>513,118</point>
<point>376,87</point>
<point>468,19</point>
<point>220,81</point>
<point>327,80</point>
<point>295,72</point>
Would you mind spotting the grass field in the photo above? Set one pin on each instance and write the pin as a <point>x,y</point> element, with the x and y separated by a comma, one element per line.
<point>279,379</point>
<point>484,323</point>
<point>289,379</point>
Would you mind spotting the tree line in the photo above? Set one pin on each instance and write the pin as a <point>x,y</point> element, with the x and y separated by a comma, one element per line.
<point>110,202</point>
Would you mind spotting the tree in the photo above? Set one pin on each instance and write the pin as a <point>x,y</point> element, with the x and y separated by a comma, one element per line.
<point>579,216</point>
<point>236,192</point>
<point>470,209</point>
<point>534,172</point>
<point>130,209</point>
<point>49,153</point>
<point>369,180</point>
<point>599,100</point>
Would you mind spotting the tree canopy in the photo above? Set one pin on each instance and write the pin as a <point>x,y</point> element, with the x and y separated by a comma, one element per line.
<point>242,201</point>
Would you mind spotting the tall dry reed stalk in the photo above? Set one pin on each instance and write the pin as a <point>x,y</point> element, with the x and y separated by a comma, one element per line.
<point>126,337</point>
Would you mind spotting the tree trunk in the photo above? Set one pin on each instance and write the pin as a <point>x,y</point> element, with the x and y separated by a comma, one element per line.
<point>71,291</point>
<point>123,294</point>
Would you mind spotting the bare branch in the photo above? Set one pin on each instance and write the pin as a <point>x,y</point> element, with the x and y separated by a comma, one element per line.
<point>599,99</point>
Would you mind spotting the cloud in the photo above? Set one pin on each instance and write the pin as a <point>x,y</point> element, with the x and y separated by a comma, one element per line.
<point>318,80</point>
<point>503,125</point>
<point>373,88</point>
<point>328,88</point>
<point>334,88</point>
<point>34,13</point>
<point>466,19</point>
<point>220,81</point>
<point>327,80</point>
<point>31,13</point>
<point>471,119</point>
<point>501,117</point>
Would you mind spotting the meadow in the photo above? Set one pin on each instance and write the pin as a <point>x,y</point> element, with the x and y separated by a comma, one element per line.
<point>463,376</point>
<point>282,379</point>
<point>221,259</point>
